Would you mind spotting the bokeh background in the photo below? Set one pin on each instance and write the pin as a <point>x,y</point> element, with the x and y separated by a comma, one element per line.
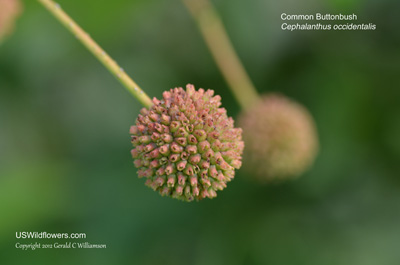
<point>65,162</point>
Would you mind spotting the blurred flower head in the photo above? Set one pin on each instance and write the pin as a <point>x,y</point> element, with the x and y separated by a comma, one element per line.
<point>185,145</point>
<point>281,139</point>
<point>9,11</point>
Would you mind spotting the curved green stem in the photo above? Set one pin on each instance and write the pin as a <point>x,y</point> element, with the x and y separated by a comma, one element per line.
<point>223,52</point>
<point>98,52</point>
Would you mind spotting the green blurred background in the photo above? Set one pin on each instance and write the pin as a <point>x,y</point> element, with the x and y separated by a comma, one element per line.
<point>65,162</point>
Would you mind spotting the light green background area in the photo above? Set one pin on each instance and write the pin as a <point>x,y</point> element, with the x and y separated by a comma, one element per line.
<point>65,162</point>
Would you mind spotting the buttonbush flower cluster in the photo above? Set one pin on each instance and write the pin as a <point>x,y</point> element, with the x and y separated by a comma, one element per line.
<point>185,145</point>
<point>9,11</point>
<point>280,136</point>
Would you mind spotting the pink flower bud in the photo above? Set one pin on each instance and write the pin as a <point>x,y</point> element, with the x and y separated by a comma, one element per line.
<point>181,165</point>
<point>134,153</point>
<point>171,181</point>
<point>181,140</point>
<point>195,159</point>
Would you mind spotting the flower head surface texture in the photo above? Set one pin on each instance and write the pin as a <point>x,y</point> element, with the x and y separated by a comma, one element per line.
<point>185,145</point>
<point>281,139</point>
<point>9,10</point>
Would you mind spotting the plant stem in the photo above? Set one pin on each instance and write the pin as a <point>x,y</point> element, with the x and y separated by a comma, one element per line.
<point>218,42</point>
<point>98,52</point>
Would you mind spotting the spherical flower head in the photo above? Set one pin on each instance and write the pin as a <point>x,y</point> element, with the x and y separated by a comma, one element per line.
<point>9,10</point>
<point>185,145</point>
<point>281,139</point>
